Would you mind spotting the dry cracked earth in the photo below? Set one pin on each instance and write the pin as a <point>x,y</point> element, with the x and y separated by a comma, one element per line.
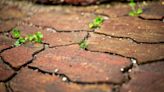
<point>125,55</point>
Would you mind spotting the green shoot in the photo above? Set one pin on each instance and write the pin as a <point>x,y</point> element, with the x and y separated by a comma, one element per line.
<point>83,44</point>
<point>37,37</point>
<point>96,23</point>
<point>19,41</point>
<point>134,11</point>
<point>15,33</point>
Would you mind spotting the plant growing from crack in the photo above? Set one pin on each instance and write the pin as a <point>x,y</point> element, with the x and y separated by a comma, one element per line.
<point>96,23</point>
<point>134,11</point>
<point>37,37</point>
<point>83,44</point>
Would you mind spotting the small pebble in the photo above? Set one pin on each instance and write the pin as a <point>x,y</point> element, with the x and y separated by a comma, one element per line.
<point>106,18</point>
<point>120,39</point>
<point>56,70</point>
<point>36,70</point>
<point>109,37</point>
<point>134,61</point>
<point>64,79</point>
<point>139,27</point>
<point>122,69</point>
<point>30,24</point>
<point>103,38</point>
<point>50,30</point>
<point>129,70</point>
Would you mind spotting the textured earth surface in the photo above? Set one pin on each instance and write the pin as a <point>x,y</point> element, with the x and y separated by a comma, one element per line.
<point>126,54</point>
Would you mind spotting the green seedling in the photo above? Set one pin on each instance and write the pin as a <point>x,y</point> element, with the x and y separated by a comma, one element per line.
<point>15,33</point>
<point>96,23</point>
<point>134,11</point>
<point>19,41</point>
<point>83,44</point>
<point>37,37</point>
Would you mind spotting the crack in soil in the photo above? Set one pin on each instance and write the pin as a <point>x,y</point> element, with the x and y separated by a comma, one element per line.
<point>8,87</point>
<point>24,65</point>
<point>149,19</point>
<point>135,65</point>
<point>4,32</point>
<point>62,45</point>
<point>11,77</point>
<point>110,53</point>
<point>152,61</point>
<point>126,73</point>
<point>115,54</point>
<point>6,49</point>
<point>128,38</point>
<point>9,65</point>
<point>33,58</point>
<point>74,43</point>
<point>28,62</point>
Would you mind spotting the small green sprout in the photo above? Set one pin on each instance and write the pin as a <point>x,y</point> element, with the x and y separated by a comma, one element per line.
<point>37,37</point>
<point>134,11</point>
<point>96,23</point>
<point>83,44</point>
<point>19,41</point>
<point>29,37</point>
<point>15,33</point>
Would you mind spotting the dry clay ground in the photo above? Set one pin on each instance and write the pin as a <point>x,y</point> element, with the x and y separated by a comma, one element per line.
<point>125,55</point>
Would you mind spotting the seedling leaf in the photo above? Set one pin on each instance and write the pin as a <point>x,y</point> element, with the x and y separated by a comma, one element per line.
<point>19,41</point>
<point>96,22</point>
<point>139,11</point>
<point>131,13</point>
<point>134,12</point>
<point>30,37</point>
<point>15,33</point>
<point>132,4</point>
<point>39,34</point>
<point>37,37</point>
<point>83,44</point>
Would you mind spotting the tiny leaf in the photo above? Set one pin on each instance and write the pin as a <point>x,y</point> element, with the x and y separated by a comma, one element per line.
<point>39,34</point>
<point>91,25</point>
<point>131,13</point>
<point>96,22</point>
<point>17,43</point>
<point>22,40</point>
<point>15,33</point>
<point>30,37</point>
<point>83,44</point>
<point>132,4</point>
<point>139,11</point>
